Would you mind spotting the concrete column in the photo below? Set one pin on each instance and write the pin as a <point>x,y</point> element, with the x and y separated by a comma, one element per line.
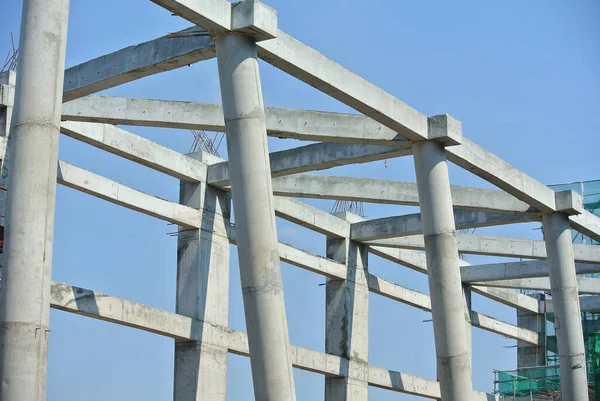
<point>347,320</point>
<point>468,296</point>
<point>25,305</point>
<point>7,100</point>
<point>565,300</point>
<point>257,243</point>
<point>532,355</point>
<point>203,292</point>
<point>445,288</point>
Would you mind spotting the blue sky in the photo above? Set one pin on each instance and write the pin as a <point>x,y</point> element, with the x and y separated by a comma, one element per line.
<point>522,76</point>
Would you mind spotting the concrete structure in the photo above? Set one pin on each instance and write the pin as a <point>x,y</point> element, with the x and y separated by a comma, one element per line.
<point>452,347</point>
<point>567,313</point>
<point>262,185</point>
<point>258,251</point>
<point>24,313</point>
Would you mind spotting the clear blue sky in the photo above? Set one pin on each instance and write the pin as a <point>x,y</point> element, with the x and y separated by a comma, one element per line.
<point>522,76</point>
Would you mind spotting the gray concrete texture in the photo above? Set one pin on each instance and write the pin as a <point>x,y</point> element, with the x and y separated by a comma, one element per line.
<point>249,167</point>
<point>25,291</point>
<point>238,33</point>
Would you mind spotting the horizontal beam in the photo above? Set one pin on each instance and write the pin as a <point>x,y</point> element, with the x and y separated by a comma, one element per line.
<point>315,219</point>
<point>137,149</point>
<point>213,15</point>
<point>311,217</point>
<point>394,193</point>
<point>310,66</point>
<point>119,194</point>
<point>585,285</point>
<point>318,156</point>
<point>495,246</point>
<point>490,167</point>
<point>588,304</point>
<point>115,310</point>
<point>306,125</point>
<point>508,297</point>
<point>134,62</point>
<point>407,225</point>
<point>586,223</point>
<point>517,270</point>
<point>509,330</point>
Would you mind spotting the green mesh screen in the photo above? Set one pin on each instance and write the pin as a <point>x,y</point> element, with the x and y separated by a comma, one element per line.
<point>527,381</point>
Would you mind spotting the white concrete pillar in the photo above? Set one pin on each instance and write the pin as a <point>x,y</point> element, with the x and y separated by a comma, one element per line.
<point>256,233</point>
<point>445,288</point>
<point>347,320</point>
<point>25,306</point>
<point>529,355</point>
<point>565,301</point>
<point>203,293</point>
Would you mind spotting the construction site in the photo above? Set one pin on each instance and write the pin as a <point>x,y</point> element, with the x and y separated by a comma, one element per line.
<point>243,206</point>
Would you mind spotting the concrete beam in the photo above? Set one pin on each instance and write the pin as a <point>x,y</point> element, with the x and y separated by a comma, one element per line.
<point>327,224</point>
<point>115,310</point>
<point>407,225</point>
<point>250,18</point>
<point>498,172</point>
<point>496,246</point>
<point>508,297</point>
<point>318,156</point>
<point>311,217</point>
<point>306,125</point>
<point>517,270</point>
<point>310,66</point>
<point>119,194</point>
<point>585,285</point>
<point>394,193</point>
<point>586,223</point>
<point>587,303</point>
<point>135,148</point>
<point>213,15</point>
<point>509,330</point>
<point>166,53</point>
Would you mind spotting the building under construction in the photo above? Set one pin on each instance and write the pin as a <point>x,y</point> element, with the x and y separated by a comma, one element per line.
<point>552,288</point>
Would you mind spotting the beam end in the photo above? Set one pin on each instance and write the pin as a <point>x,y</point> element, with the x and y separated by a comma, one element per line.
<point>254,18</point>
<point>569,202</point>
<point>446,129</point>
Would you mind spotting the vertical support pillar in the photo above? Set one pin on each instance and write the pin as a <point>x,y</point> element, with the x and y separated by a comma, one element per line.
<point>203,293</point>
<point>25,306</point>
<point>565,301</point>
<point>347,320</point>
<point>468,296</point>
<point>529,355</point>
<point>7,100</point>
<point>256,233</point>
<point>445,287</point>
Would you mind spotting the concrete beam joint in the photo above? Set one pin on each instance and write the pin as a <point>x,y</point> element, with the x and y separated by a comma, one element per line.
<point>254,18</point>
<point>445,129</point>
<point>569,202</point>
<point>7,95</point>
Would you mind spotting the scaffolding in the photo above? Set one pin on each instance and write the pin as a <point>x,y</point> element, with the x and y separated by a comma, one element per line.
<point>545,380</point>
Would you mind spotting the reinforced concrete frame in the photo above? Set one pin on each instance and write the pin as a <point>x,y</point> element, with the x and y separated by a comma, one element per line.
<point>262,185</point>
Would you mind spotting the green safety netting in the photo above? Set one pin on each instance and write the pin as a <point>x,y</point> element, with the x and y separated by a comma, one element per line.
<point>544,379</point>
<point>527,381</point>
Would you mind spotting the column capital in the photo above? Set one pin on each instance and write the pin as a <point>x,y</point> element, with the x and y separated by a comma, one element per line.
<point>569,202</point>
<point>254,18</point>
<point>445,129</point>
